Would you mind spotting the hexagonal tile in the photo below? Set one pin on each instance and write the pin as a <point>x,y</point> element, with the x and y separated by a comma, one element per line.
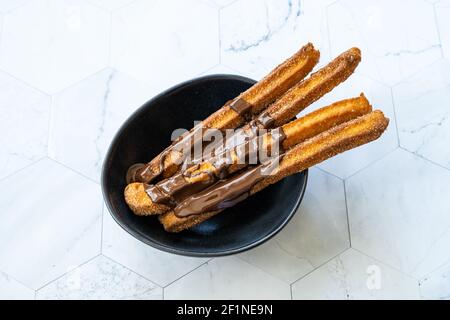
<point>353,275</point>
<point>258,35</point>
<point>437,284</point>
<point>227,278</point>
<point>8,5</point>
<point>158,266</point>
<point>391,50</point>
<point>422,106</point>
<point>100,278</point>
<point>52,44</point>
<point>111,4</point>
<point>443,22</point>
<point>317,233</point>
<point>87,116</point>
<point>398,212</point>
<point>380,97</point>
<point>10,289</point>
<point>154,44</point>
<point>24,117</point>
<point>51,222</point>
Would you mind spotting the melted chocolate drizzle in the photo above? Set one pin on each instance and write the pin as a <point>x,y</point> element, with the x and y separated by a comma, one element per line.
<point>173,191</point>
<point>224,193</point>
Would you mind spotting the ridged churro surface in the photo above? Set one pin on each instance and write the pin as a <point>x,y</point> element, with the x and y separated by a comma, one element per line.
<point>304,155</point>
<point>258,97</point>
<point>314,87</point>
<point>293,132</point>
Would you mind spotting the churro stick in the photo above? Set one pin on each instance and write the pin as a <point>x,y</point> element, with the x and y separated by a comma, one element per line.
<point>304,93</point>
<point>233,114</point>
<point>156,199</point>
<point>312,88</point>
<point>304,155</point>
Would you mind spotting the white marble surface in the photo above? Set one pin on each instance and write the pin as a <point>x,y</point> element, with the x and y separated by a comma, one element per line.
<point>423,112</point>
<point>443,20</point>
<point>353,275</point>
<point>51,222</point>
<point>155,45</point>
<point>13,290</point>
<point>300,247</point>
<point>161,267</point>
<point>101,278</point>
<point>52,44</point>
<point>228,279</point>
<point>401,220</point>
<point>436,285</point>
<point>397,39</point>
<point>87,115</point>
<point>72,71</point>
<point>24,121</point>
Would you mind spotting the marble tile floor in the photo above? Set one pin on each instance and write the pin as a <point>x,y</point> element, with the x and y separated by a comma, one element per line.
<point>374,223</point>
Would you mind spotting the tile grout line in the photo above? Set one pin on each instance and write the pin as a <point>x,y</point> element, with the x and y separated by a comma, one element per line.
<point>395,116</point>
<point>386,264</point>
<point>372,163</point>
<point>324,171</point>
<point>18,281</point>
<point>134,271</point>
<point>73,170</point>
<point>67,272</point>
<point>24,82</point>
<point>131,270</point>
<point>22,169</point>
<point>348,218</point>
<point>184,275</point>
<point>79,81</point>
<point>424,158</point>
<point>321,265</point>
<point>261,269</point>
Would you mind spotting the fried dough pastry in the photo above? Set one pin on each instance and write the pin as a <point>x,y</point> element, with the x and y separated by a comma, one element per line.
<point>327,144</point>
<point>235,112</point>
<point>199,177</point>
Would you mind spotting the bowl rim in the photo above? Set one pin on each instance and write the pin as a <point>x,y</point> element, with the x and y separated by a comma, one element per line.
<point>139,235</point>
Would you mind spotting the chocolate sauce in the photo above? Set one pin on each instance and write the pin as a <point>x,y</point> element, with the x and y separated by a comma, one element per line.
<point>158,196</point>
<point>184,144</point>
<point>182,185</point>
<point>242,107</point>
<point>224,193</point>
<point>265,120</point>
<point>132,172</point>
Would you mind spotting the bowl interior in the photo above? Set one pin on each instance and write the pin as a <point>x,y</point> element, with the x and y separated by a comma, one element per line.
<point>148,131</point>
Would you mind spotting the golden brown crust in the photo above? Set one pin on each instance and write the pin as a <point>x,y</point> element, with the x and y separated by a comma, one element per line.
<point>172,223</point>
<point>283,77</point>
<point>141,204</point>
<point>304,155</point>
<point>259,96</point>
<point>314,87</point>
<point>327,144</point>
<point>295,132</point>
<point>324,118</point>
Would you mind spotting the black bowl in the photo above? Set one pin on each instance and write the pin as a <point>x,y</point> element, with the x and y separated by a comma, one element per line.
<point>148,131</point>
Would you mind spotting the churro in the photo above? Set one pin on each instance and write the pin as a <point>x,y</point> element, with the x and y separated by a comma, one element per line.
<point>146,199</point>
<point>209,202</point>
<point>233,114</point>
